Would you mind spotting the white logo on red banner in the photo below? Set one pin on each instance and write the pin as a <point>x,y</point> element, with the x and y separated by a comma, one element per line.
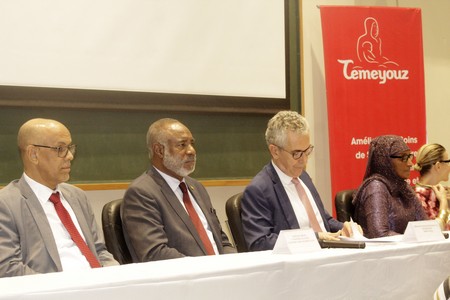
<point>373,64</point>
<point>374,84</point>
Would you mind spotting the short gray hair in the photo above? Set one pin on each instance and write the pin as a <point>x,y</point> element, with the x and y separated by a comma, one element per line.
<point>157,133</point>
<point>282,122</point>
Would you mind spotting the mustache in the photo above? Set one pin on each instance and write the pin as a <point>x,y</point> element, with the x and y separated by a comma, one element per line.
<point>188,160</point>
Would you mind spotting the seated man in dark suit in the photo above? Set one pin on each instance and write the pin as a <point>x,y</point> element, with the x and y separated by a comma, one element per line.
<point>47,225</point>
<point>282,195</point>
<point>167,214</point>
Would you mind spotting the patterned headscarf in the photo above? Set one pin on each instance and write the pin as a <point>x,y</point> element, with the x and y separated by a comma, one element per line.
<point>380,167</point>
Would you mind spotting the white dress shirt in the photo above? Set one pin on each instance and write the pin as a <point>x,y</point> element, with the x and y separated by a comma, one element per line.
<point>69,253</point>
<point>296,202</point>
<point>174,184</point>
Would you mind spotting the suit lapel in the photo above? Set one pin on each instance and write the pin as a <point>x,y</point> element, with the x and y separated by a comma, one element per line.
<point>315,194</point>
<point>206,212</point>
<point>41,220</point>
<point>283,198</point>
<point>196,195</point>
<point>81,219</point>
<point>176,205</point>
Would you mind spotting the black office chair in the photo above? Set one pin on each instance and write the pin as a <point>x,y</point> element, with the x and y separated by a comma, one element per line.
<point>233,210</point>
<point>344,205</point>
<point>112,230</point>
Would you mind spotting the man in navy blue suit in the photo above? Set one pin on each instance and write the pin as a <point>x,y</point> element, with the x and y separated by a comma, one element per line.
<point>272,202</point>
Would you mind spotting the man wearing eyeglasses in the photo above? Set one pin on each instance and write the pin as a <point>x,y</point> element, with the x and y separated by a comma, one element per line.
<point>282,195</point>
<point>47,225</point>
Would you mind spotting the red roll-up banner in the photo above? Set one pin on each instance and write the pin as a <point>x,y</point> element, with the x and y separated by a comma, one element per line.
<point>375,84</point>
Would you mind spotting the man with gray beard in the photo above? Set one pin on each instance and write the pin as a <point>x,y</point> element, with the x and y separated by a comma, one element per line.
<point>165,213</point>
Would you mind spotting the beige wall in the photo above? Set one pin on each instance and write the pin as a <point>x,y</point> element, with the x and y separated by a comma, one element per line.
<point>436,37</point>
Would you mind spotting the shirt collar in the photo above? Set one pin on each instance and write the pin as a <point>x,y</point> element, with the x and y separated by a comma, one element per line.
<point>41,191</point>
<point>173,182</point>
<point>285,179</point>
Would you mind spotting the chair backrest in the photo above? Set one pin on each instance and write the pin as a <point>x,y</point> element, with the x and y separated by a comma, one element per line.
<point>233,211</point>
<point>344,205</point>
<point>112,230</point>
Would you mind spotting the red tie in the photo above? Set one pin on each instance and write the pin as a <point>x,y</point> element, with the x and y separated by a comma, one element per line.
<point>63,214</point>
<point>307,204</point>
<point>196,220</point>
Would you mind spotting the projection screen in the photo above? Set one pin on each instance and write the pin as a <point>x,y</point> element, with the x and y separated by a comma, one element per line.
<point>230,48</point>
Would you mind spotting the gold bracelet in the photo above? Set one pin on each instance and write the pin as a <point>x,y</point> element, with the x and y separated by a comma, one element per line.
<point>443,215</point>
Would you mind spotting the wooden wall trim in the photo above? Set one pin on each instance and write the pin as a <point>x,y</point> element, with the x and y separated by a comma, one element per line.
<point>124,185</point>
<point>25,96</point>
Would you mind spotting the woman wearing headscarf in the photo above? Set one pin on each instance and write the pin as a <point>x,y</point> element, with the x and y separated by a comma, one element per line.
<point>433,165</point>
<point>385,203</point>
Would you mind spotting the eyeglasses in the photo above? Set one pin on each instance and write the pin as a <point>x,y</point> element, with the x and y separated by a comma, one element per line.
<point>61,150</point>
<point>297,154</point>
<point>445,161</point>
<point>403,158</point>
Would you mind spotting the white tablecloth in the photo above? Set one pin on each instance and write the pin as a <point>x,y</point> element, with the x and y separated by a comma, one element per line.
<point>389,271</point>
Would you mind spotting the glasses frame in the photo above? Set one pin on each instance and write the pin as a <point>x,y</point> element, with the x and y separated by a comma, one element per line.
<point>403,158</point>
<point>61,151</point>
<point>299,153</point>
<point>445,161</point>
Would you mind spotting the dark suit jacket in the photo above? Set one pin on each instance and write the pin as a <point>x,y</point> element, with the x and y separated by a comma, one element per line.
<point>27,245</point>
<point>156,225</point>
<point>266,209</point>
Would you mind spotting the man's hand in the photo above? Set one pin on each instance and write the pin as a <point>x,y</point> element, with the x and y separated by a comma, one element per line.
<point>347,229</point>
<point>329,236</point>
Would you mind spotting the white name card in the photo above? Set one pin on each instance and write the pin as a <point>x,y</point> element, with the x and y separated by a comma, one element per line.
<point>296,241</point>
<point>423,231</point>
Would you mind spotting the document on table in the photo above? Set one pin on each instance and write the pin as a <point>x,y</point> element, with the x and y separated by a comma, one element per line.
<point>416,231</point>
<point>357,236</point>
<point>384,239</point>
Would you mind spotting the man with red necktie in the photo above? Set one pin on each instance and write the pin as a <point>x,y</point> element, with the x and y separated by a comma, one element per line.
<point>167,214</point>
<point>47,225</point>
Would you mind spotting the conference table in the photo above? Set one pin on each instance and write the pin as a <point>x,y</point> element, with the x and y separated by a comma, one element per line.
<point>380,271</point>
